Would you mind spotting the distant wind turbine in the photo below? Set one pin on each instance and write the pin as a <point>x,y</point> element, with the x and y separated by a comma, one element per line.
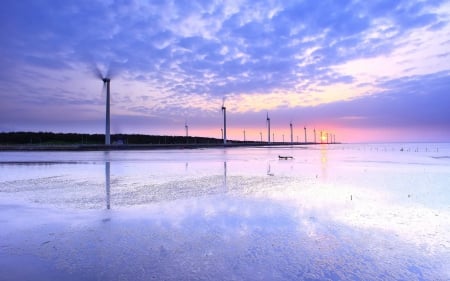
<point>292,136</point>
<point>305,134</point>
<point>268,127</point>
<point>224,112</point>
<point>186,127</point>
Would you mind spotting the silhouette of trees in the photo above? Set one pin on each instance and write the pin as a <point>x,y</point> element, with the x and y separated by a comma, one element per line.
<point>49,138</point>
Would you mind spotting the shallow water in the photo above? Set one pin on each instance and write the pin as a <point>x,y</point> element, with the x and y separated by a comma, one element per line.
<point>336,212</point>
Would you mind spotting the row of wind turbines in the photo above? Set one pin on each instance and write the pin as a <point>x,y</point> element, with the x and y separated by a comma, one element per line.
<point>106,78</point>
<point>329,138</point>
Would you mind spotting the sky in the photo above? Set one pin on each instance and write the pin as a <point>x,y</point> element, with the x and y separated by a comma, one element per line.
<point>365,71</point>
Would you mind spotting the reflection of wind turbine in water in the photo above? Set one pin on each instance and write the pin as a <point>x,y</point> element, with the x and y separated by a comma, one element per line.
<point>225,187</point>
<point>108,185</point>
<point>269,173</point>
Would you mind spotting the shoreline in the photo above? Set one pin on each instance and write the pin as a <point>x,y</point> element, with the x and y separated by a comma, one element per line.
<point>112,147</point>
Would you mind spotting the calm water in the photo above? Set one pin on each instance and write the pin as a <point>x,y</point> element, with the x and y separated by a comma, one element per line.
<point>341,212</point>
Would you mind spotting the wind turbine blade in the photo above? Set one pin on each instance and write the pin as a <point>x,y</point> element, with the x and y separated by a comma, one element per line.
<point>109,72</point>
<point>97,72</point>
<point>103,89</point>
<point>113,70</point>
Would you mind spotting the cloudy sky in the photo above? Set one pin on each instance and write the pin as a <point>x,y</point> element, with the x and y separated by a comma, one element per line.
<point>363,70</point>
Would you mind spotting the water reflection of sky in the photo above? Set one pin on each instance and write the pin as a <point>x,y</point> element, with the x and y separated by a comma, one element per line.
<point>349,213</point>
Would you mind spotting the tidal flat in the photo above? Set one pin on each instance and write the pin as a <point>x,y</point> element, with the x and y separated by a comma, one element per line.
<point>331,212</point>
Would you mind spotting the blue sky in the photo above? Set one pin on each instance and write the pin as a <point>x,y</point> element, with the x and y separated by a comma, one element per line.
<point>364,70</point>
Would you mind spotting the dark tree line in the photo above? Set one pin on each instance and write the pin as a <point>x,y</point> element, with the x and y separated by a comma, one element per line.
<point>49,138</point>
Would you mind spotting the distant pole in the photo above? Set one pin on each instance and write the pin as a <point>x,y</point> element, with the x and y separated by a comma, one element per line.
<point>268,128</point>
<point>315,135</point>
<point>187,132</point>
<point>321,136</point>
<point>273,137</point>
<point>260,135</point>
<point>305,134</point>
<point>221,130</point>
<point>283,138</point>
<point>297,139</point>
<point>292,136</point>
<point>244,135</point>
<point>327,137</point>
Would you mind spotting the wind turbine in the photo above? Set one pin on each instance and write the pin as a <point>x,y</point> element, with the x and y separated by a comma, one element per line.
<point>268,127</point>
<point>224,112</point>
<point>186,127</point>
<point>292,136</point>
<point>106,84</point>
<point>305,134</point>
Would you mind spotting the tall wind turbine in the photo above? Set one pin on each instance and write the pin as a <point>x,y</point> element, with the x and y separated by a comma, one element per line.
<point>106,83</point>
<point>224,112</point>
<point>186,127</point>
<point>268,127</point>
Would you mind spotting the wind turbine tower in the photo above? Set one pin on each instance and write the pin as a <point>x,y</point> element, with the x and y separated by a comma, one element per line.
<point>106,84</point>
<point>186,127</point>
<point>224,111</point>
<point>292,136</point>
<point>106,81</point>
<point>315,136</point>
<point>268,127</point>
<point>305,133</point>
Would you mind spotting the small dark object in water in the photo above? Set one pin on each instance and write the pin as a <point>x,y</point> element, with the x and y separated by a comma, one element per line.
<point>285,157</point>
